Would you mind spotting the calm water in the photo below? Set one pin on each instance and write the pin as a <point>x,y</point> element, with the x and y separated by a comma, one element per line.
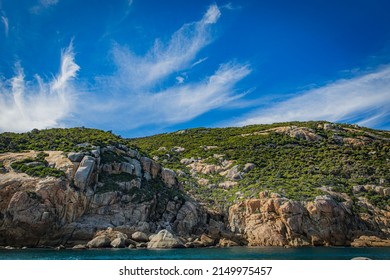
<point>267,253</point>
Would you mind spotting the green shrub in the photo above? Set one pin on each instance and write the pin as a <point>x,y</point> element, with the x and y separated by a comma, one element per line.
<point>41,170</point>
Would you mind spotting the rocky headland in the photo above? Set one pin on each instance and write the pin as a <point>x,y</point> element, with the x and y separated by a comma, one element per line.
<point>113,196</point>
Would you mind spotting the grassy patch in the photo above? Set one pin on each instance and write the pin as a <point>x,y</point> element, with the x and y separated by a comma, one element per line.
<point>37,167</point>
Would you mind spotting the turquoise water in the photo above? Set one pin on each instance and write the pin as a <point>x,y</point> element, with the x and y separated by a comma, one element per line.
<point>237,253</point>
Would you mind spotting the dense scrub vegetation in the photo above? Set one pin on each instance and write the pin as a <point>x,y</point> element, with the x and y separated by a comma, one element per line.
<point>293,167</point>
<point>56,139</point>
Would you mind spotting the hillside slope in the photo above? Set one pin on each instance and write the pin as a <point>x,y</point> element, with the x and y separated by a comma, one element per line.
<point>297,160</point>
<point>295,184</point>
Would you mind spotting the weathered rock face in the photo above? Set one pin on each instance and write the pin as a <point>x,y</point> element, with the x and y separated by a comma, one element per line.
<point>187,218</point>
<point>169,177</point>
<point>53,211</point>
<point>108,238</point>
<point>303,133</point>
<point>165,239</point>
<point>139,236</point>
<point>275,221</point>
<point>370,241</point>
<point>83,174</point>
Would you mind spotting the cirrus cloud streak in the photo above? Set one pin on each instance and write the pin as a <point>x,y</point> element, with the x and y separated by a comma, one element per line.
<point>364,99</point>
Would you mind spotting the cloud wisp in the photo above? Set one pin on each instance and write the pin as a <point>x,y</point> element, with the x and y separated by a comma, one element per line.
<point>4,20</point>
<point>162,60</point>
<point>26,104</point>
<point>137,98</point>
<point>42,5</point>
<point>364,100</point>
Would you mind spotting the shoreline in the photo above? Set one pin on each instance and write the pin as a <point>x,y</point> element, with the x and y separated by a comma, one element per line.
<point>61,248</point>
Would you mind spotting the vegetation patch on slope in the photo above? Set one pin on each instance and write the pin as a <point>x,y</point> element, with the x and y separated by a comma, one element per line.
<point>37,167</point>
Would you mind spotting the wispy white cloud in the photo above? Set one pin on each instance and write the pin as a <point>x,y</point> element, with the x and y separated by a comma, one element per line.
<point>364,99</point>
<point>42,5</point>
<point>130,2</point>
<point>230,6</point>
<point>199,62</point>
<point>4,20</point>
<point>25,104</point>
<point>180,79</point>
<point>176,104</point>
<point>151,90</point>
<point>163,60</point>
<point>137,101</point>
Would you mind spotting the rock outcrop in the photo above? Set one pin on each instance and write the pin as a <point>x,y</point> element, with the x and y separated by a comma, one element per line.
<point>370,241</point>
<point>165,239</point>
<point>108,238</point>
<point>272,220</point>
<point>112,187</point>
<point>82,178</point>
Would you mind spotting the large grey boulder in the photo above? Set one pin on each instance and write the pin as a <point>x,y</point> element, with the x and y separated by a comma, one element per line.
<point>118,243</point>
<point>146,164</point>
<point>164,240</point>
<point>169,177</point>
<point>187,218</point>
<point>133,154</point>
<point>139,236</point>
<point>137,167</point>
<point>75,157</point>
<point>83,173</point>
<point>99,242</point>
<point>126,167</point>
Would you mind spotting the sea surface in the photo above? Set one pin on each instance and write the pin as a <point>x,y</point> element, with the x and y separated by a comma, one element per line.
<point>235,253</point>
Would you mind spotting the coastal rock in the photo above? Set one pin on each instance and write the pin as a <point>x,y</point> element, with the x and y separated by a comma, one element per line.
<point>139,236</point>
<point>207,240</point>
<point>223,242</point>
<point>99,242</point>
<point>370,241</point>
<point>187,218</point>
<point>165,239</point>
<point>272,220</point>
<point>84,172</point>
<point>108,238</point>
<point>118,243</point>
<point>79,247</point>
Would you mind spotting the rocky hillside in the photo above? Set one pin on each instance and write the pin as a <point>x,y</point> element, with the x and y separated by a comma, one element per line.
<point>297,160</point>
<point>51,198</point>
<point>290,184</point>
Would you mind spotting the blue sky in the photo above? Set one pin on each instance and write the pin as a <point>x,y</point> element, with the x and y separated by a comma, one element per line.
<point>144,67</point>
